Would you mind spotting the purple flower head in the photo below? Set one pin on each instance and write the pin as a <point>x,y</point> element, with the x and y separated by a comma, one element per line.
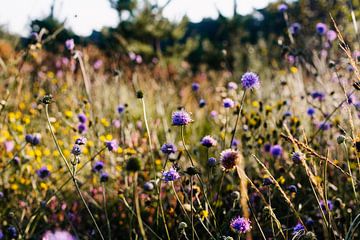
<point>208,141</point>
<point>138,59</point>
<point>213,114</point>
<point>250,80</point>
<point>111,145</point>
<point>267,147</point>
<point>276,150</point>
<point>232,86</point>
<point>310,111</point>
<point>76,150</point>
<point>43,172</point>
<point>148,186</point>
<point>97,64</point>
<point>292,188</point>
<point>202,103</point>
<point>81,141</point>
<point>121,108</point>
<point>70,44</point>
<point>171,175</point>
<point>228,103</point>
<point>282,7</point>
<point>28,138</point>
<point>195,86</point>
<point>82,128</point>
<point>104,177</point>
<point>98,166</point>
<point>329,203</point>
<point>33,139</point>
<point>318,95</point>
<point>168,148</point>
<point>240,225</point>
<point>228,158</point>
<point>298,228</point>
<point>234,143</point>
<point>212,161</point>
<point>12,232</point>
<point>324,126</point>
<point>331,35</point>
<point>57,235</point>
<point>296,157</point>
<point>181,118</point>
<point>267,181</point>
<point>82,117</point>
<point>295,28</point>
<point>9,145</point>
<point>321,28</point>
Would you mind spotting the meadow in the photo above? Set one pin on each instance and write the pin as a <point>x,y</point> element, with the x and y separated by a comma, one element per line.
<point>91,148</point>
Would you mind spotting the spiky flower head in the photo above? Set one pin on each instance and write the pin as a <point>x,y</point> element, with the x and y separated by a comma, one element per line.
<point>43,172</point>
<point>168,148</point>
<point>208,141</point>
<point>240,225</point>
<point>111,145</point>
<point>228,159</point>
<point>181,118</point>
<point>321,28</point>
<point>228,103</point>
<point>250,80</point>
<point>171,175</point>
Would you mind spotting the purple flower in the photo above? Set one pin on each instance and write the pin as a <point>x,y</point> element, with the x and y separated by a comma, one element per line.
<point>12,232</point>
<point>98,166</point>
<point>296,157</point>
<point>104,177</point>
<point>228,158</point>
<point>276,150</point>
<point>33,139</point>
<point>9,146</point>
<point>82,128</point>
<point>250,80</point>
<point>82,118</point>
<point>212,161</point>
<point>181,118</point>
<point>295,28</point>
<point>171,175</point>
<point>213,114</point>
<point>111,145</point>
<point>329,203</point>
<point>299,227</point>
<point>310,111</point>
<point>331,35</point>
<point>292,188</point>
<point>70,44</point>
<point>324,126</point>
<point>282,7</point>
<point>97,64</point>
<point>208,141</point>
<point>57,235</point>
<point>81,141</point>
<point>228,103</point>
<point>321,28</point>
<point>202,103</point>
<point>43,172</point>
<point>318,95</point>
<point>76,150</point>
<point>168,148</point>
<point>232,85</point>
<point>195,86</point>
<point>120,108</point>
<point>148,186</point>
<point>267,147</point>
<point>240,225</point>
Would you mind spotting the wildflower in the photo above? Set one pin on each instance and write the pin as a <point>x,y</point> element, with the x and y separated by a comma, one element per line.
<point>296,157</point>
<point>181,118</point>
<point>267,181</point>
<point>228,158</point>
<point>97,64</point>
<point>133,164</point>
<point>43,172</point>
<point>104,177</point>
<point>76,150</point>
<point>267,147</point>
<point>331,35</point>
<point>82,117</point>
<point>329,204</point>
<point>81,141</point>
<point>57,235</point>
<point>287,114</point>
<point>202,103</point>
<point>33,139</point>
<point>310,111</point>
<point>295,28</point>
<point>240,225</point>
<point>121,109</point>
<point>212,161</point>
<point>12,232</point>
<point>234,143</point>
<point>299,227</point>
<point>171,175</point>
<point>309,222</point>
<point>208,141</point>
<point>111,145</point>
<point>195,87</point>
<point>276,150</point>
<point>168,148</point>
<point>98,166</point>
<point>324,126</point>
<point>321,28</point>
<point>82,128</point>
<point>148,186</point>
<point>282,7</point>
<point>213,114</point>
<point>250,80</point>
<point>228,103</point>
<point>292,188</point>
<point>70,44</point>
<point>318,95</point>
<point>232,85</point>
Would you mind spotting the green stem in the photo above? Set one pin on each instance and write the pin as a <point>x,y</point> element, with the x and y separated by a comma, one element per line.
<point>237,118</point>
<point>137,207</point>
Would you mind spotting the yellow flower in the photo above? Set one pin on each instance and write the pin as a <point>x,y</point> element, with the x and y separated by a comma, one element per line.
<point>68,114</point>
<point>104,122</point>
<point>158,161</point>
<point>281,180</point>
<point>109,137</point>
<point>43,186</point>
<point>26,120</point>
<point>293,69</point>
<point>14,186</point>
<point>255,104</point>
<point>119,150</point>
<point>204,214</point>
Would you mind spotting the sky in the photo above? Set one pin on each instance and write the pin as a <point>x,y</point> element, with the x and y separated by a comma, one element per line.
<point>82,16</point>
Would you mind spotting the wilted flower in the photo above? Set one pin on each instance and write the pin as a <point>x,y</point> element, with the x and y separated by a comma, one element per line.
<point>171,175</point>
<point>228,158</point>
<point>250,80</point>
<point>321,28</point>
<point>240,225</point>
<point>168,148</point>
<point>111,145</point>
<point>208,141</point>
<point>181,118</point>
<point>70,44</point>
<point>228,103</point>
<point>43,172</point>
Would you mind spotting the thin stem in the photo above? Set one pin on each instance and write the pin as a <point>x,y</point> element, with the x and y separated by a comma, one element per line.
<point>106,212</point>
<point>137,207</point>
<point>237,118</point>
<point>184,144</point>
<point>191,208</point>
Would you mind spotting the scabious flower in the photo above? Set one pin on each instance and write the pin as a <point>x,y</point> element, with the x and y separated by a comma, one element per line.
<point>76,150</point>
<point>81,141</point>
<point>324,126</point>
<point>82,128</point>
<point>299,227</point>
<point>232,85</point>
<point>213,114</point>
<point>296,157</point>
<point>98,166</point>
<point>295,28</point>
<point>202,103</point>
<point>282,7</point>
<point>104,177</point>
<point>228,103</point>
<point>321,28</point>
<point>267,181</point>
<point>43,172</point>
<point>148,186</point>
<point>111,145</point>
<point>82,117</point>
<point>121,108</point>
<point>12,232</point>
<point>228,158</point>
<point>318,95</point>
<point>208,141</point>
<point>310,111</point>
<point>70,44</point>
<point>181,118</point>
<point>212,161</point>
<point>276,150</point>
<point>33,139</point>
<point>195,86</point>
<point>168,148</point>
<point>250,80</point>
<point>97,64</point>
<point>240,225</point>
<point>331,35</point>
<point>171,175</point>
<point>57,235</point>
